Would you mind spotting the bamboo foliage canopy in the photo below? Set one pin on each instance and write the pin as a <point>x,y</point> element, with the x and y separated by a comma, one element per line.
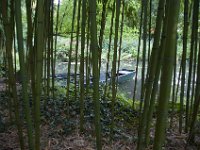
<point>101,69</point>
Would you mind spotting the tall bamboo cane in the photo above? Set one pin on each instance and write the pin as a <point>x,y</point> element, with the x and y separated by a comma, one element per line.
<point>83,25</point>
<point>166,75</point>
<point>109,49</point>
<point>70,53</point>
<point>8,23</point>
<point>23,71</point>
<point>39,68</point>
<point>94,50</point>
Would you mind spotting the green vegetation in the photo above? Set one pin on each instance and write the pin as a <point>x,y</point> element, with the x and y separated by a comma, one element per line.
<point>108,74</point>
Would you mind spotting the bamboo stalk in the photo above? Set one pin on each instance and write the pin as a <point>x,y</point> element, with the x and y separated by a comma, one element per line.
<point>166,76</point>
<point>94,50</point>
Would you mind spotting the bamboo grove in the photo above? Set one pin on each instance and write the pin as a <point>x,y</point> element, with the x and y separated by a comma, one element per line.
<point>31,29</point>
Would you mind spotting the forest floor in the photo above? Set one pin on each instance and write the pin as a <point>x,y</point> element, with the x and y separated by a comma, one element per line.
<point>60,133</point>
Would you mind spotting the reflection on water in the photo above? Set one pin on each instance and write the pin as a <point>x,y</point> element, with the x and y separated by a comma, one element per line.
<point>127,87</point>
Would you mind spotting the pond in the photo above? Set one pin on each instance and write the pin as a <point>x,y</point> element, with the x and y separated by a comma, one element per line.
<point>125,88</point>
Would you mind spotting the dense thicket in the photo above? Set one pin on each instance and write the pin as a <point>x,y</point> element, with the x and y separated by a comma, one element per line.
<point>96,34</point>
